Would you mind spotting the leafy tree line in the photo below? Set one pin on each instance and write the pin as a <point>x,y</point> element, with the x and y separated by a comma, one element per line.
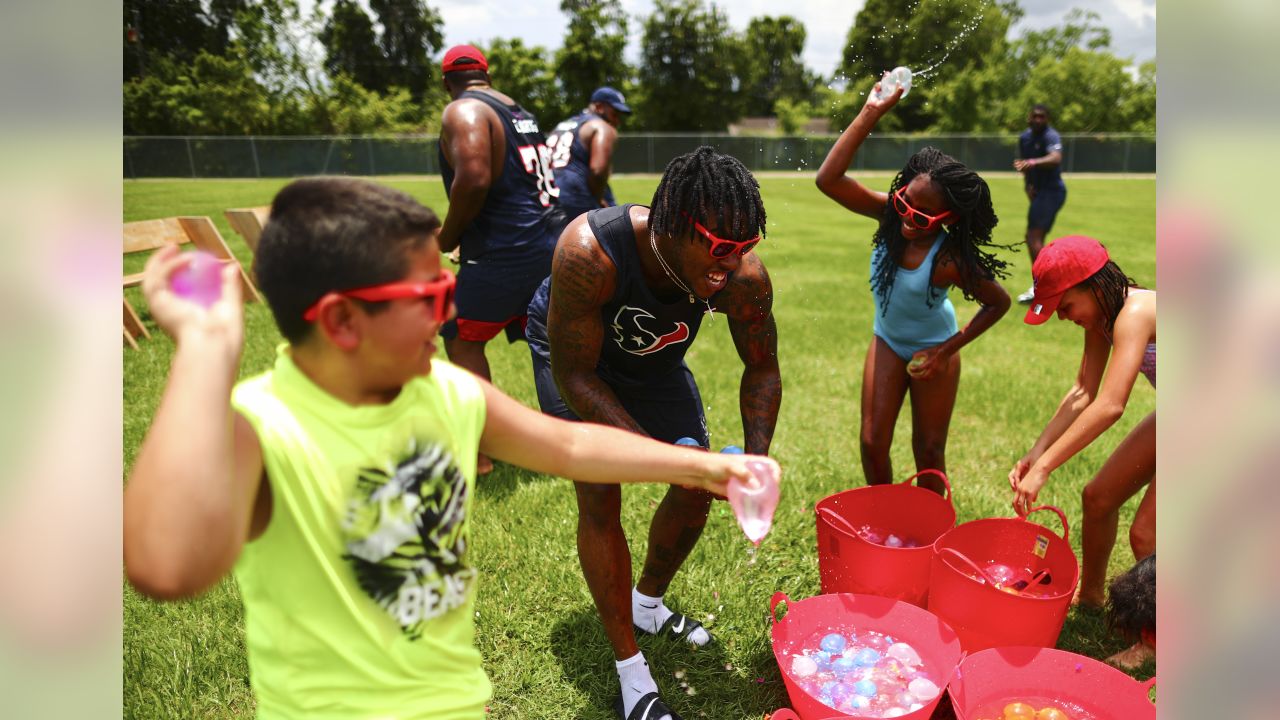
<point>235,67</point>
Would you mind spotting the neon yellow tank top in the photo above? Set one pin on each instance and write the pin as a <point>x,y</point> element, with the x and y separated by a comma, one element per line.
<point>359,596</point>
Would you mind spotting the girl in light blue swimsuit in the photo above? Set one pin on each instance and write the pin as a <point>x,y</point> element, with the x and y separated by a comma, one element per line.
<point>935,232</point>
<point>1076,279</point>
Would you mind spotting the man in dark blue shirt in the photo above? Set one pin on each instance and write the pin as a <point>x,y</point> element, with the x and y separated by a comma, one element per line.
<point>582,153</point>
<point>1040,162</point>
<point>502,200</point>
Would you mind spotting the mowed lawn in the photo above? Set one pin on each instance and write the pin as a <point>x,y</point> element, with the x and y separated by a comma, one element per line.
<point>536,626</point>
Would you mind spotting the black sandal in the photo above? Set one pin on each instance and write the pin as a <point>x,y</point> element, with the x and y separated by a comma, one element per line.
<point>650,707</point>
<point>677,627</point>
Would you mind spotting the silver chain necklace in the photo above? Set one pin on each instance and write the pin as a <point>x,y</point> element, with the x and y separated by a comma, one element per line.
<point>653,243</point>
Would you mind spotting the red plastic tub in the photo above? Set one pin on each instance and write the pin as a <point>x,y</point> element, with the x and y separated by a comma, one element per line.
<point>971,602</point>
<point>1078,685</point>
<point>936,643</point>
<point>849,563</point>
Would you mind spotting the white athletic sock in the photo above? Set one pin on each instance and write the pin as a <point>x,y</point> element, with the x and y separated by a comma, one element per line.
<point>649,613</point>
<point>633,675</point>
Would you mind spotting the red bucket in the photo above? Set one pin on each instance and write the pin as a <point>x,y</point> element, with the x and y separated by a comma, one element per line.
<point>1080,686</point>
<point>850,563</point>
<point>936,643</point>
<point>964,595</point>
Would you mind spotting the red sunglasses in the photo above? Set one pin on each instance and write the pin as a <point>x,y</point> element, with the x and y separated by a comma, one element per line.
<point>914,216</point>
<point>721,248</point>
<point>439,292</point>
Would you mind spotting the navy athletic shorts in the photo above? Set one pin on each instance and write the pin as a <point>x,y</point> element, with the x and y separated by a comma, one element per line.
<point>493,298</point>
<point>668,408</point>
<point>1044,208</point>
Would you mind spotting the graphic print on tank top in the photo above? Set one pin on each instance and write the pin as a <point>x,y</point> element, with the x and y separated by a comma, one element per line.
<point>405,536</point>
<point>631,335</point>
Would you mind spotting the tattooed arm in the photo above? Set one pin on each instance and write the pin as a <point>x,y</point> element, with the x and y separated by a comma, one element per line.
<point>748,302</point>
<point>582,281</point>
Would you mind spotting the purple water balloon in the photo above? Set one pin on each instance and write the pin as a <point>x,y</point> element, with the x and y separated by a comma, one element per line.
<point>200,280</point>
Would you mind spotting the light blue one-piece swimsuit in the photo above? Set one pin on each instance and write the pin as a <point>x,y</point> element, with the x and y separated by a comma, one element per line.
<point>911,324</point>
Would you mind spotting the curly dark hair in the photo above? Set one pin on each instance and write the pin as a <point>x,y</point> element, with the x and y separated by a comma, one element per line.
<point>969,198</point>
<point>1110,286</point>
<point>1131,605</point>
<point>704,184</point>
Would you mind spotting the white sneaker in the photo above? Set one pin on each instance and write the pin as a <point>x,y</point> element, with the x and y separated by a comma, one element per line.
<point>1026,297</point>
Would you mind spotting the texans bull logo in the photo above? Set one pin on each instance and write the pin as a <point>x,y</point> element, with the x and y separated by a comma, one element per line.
<point>631,335</point>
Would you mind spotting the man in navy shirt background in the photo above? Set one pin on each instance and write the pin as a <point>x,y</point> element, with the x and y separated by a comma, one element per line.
<point>1040,162</point>
<point>502,200</point>
<point>582,153</point>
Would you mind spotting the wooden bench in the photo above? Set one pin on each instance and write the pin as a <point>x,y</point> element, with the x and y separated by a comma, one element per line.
<point>148,235</point>
<point>248,223</point>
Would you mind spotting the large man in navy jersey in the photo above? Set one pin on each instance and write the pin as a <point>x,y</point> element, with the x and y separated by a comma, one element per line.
<point>609,330</point>
<point>502,207</point>
<point>582,153</point>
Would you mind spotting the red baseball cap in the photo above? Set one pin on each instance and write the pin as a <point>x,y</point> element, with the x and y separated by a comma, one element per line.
<point>1060,266</point>
<point>464,57</point>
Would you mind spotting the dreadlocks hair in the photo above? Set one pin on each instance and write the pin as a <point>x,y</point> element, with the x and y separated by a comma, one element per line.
<point>1110,287</point>
<point>705,184</point>
<point>1131,604</point>
<point>969,198</point>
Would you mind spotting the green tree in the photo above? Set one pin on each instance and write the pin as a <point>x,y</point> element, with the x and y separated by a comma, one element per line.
<point>592,52</point>
<point>155,30</point>
<point>688,65</point>
<point>773,68</point>
<point>411,34</point>
<point>1139,105</point>
<point>525,74</point>
<point>351,46</point>
<point>214,95</point>
<point>349,108</point>
<point>1086,91</point>
<point>938,39</point>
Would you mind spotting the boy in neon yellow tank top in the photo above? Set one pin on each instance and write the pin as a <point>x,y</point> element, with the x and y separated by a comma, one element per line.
<point>337,486</point>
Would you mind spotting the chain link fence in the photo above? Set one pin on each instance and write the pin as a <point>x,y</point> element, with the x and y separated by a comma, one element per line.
<point>253,157</point>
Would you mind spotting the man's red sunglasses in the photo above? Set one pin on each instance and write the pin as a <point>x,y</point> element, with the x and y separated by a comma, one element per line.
<point>914,216</point>
<point>721,248</point>
<point>439,292</point>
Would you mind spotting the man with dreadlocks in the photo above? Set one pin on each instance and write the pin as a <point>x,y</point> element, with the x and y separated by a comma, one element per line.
<point>609,329</point>
<point>934,229</point>
<point>1076,278</point>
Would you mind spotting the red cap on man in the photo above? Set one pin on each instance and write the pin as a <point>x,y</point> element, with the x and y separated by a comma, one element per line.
<point>464,57</point>
<point>1060,266</point>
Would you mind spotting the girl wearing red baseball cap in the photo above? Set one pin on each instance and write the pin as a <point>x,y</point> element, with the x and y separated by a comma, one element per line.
<point>934,232</point>
<point>1075,278</point>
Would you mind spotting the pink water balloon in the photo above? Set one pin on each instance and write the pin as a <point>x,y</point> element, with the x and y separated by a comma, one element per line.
<point>200,280</point>
<point>754,501</point>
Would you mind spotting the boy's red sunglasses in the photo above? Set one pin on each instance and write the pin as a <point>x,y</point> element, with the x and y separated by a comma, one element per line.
<point>914,216</point>
<point>439,292</point>
<point>721,248</point>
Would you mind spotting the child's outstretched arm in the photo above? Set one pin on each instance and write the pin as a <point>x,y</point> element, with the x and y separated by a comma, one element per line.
<point>832,179</point>
<point>1132,330</point>
<point>588,452</point>
<point>190,496</point>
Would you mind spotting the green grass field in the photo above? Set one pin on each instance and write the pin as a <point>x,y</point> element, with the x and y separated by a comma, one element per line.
<point>536,625</point>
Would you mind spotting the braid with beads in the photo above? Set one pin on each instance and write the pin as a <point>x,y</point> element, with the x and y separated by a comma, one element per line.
<point>705,184</point>
<point>969,198</point>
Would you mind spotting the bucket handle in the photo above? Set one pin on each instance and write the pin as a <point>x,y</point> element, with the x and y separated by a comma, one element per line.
<point>1146,688</point>
<point>982,574</point>
<point>836,519</point>
<point>778,597</point>
<point>931,471</point>
<point>1066,531</point>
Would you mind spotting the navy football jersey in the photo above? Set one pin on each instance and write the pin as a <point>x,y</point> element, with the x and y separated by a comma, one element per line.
<point>515,216</point>
<point>571,163</point>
